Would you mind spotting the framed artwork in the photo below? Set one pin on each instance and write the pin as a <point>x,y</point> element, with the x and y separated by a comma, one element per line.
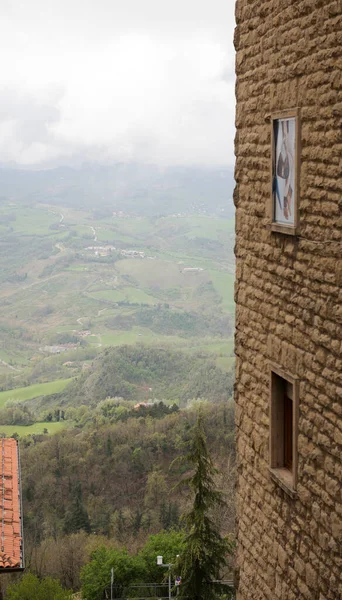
<point>285,171</point>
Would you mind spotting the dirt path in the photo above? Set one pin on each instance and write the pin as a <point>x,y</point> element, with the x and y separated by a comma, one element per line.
<point>2,362</point>
<point>94,232</point>
<point>60,214</point>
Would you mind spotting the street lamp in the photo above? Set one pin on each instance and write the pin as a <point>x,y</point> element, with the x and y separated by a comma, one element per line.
<point>168,565</point>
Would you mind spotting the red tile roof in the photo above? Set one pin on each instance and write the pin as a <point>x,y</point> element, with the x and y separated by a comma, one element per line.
<point>11,546</point>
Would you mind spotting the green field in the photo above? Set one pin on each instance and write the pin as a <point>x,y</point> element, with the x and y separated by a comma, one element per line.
<point>78,268</point>
<point>34,221</point>
<point>127,294</point>
<point>218,347</point>
<point>135,335</point>
<point>225,363</point>
<point>49,290</point>
<point>161,275</point>
<point>36,428</point>
<point>138,335</point>
<point>224,285</point>
<point>209,227</point>
<point>33,391</point>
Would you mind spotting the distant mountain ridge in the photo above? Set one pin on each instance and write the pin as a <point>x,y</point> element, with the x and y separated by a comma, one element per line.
<point>129,187</point>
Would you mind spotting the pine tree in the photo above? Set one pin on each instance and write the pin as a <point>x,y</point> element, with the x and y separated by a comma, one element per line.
<point>109,446</point>
<point>205,550</point>
<point>76,517</point>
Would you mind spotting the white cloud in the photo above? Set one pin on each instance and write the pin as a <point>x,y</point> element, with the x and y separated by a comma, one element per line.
<point>150,81</point>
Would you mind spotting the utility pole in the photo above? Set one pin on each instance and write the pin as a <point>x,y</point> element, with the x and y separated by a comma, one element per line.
<point>170,582</point>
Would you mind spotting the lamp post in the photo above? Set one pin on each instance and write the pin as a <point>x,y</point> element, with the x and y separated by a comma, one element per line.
<point>168,565</point>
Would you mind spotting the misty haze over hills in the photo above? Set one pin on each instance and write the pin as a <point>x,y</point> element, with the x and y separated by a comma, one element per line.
<point>130,187</point>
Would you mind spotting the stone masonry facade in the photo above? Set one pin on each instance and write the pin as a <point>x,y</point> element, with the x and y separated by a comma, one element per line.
<point>289,299</point>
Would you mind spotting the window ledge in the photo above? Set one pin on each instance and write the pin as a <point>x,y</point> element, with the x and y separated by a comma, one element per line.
<point>284,478</point>
<point>283,228</point>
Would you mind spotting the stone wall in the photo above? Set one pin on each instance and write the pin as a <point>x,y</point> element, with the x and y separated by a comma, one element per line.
<point>289,299</point>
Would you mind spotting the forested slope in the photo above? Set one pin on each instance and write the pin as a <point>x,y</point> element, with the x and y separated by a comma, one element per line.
<point>140,372</point>
<point>114,481</point>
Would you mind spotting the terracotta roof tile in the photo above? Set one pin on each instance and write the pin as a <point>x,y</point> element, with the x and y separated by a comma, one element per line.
<point>11,551</point>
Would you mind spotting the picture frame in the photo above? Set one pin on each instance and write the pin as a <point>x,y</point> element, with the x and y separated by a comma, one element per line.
<point>285,171</point>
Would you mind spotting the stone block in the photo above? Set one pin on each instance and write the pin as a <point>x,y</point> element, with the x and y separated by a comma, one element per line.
<point>310,576</point>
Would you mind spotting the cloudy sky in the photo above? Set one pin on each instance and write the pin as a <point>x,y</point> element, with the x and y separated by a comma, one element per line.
<point>109,80</point>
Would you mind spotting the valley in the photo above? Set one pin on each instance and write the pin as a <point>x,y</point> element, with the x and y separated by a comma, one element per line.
<point>162,281</point>
<point>116,325</point>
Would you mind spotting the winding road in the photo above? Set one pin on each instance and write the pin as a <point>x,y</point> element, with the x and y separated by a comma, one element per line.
<point>2,362</point>
<point>94,232</point>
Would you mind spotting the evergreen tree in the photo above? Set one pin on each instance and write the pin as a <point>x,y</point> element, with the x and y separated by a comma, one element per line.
<point>169,515</point>
<point>109,446</point>
<point>205,550</point>
<point>76,517</point>
<point>174,515</point>
<point>137,521</point>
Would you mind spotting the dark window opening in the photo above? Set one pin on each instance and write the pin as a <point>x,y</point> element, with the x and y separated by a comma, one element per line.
<point>284,394</point>
<point>288,433</point>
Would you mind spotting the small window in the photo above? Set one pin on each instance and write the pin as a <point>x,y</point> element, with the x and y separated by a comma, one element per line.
<point>283,429</point>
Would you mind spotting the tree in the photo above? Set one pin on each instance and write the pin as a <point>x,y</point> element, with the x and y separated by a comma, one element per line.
<point>169,515</point>
<point>63,558</point>
<point>205,550</point>
<point>155,489</point>
<point>95,576</point>
<point>76,517</point>
<point>167,544</point>
<point>31,588</point>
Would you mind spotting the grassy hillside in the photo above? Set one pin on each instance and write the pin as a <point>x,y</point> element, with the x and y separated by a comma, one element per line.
<point>119,377</point>
<point>41,428</point>
<point>59,277</point>
<point>33,391</point>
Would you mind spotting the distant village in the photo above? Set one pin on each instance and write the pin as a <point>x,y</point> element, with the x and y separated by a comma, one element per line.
<point>107,250</point>
<point>58,348</point>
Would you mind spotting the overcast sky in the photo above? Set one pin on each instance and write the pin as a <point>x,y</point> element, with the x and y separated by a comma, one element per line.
<point>116,80</point>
